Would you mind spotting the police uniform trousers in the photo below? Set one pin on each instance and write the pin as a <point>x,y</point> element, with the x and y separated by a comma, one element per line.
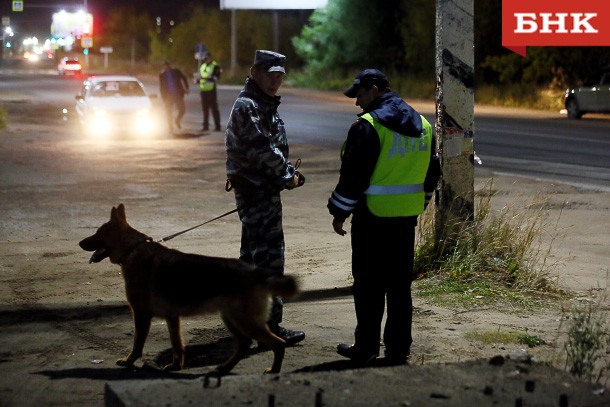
<point>262,236</point>
<point>209,102</point>
<point>382,267</point>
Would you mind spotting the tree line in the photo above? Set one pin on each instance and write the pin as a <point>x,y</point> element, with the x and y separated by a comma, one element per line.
<point>344,37</point>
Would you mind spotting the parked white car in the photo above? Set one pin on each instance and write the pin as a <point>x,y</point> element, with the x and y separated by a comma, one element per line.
<point>114,105</point>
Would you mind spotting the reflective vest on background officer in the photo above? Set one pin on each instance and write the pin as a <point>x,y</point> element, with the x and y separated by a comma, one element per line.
<point>209,73</point>
<point>397,183</point>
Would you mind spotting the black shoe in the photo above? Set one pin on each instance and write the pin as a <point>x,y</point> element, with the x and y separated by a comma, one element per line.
<point>356,354</point>
<point>393,360</point>
<point>217,128</point>
<point>291,337</point>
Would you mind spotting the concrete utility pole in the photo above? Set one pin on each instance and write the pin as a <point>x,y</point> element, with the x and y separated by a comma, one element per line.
<point>233,42</point>
<point>455,112</point>
<point>276,31</point>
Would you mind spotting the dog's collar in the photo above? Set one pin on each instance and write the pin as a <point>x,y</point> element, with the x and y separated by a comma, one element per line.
<point>131,248</point>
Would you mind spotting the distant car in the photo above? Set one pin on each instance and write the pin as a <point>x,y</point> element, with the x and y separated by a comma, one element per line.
<point>116,105</point>
<point>69,66</point>
<point>590,98</point>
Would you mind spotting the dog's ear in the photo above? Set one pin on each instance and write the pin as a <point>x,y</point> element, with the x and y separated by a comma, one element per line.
<point>121,212</point>
<point>118,213</point>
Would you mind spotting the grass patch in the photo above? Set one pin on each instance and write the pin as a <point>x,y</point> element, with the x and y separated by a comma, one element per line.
<point>492,337</point>
<point>497,257</point>
<point>498,336</point>
<point>407,86</point>
<point>475,294</point>
<point>588,340</point>
<point>523,96</point>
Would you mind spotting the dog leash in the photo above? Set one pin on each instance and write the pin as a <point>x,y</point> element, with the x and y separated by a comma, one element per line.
<point>228,187</point>
<point>170,237</point>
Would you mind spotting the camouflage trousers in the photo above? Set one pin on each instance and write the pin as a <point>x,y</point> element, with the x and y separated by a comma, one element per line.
<point>262,236</point>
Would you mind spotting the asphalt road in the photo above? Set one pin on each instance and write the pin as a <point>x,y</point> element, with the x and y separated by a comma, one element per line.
<point>542,145</point>
<point>64,322</point>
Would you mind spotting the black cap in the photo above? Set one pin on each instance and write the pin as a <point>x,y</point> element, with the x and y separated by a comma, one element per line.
<point>367,78</point>
<point>270,61</point>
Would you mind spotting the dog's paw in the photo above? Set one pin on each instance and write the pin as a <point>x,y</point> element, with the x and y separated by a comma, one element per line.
<point>269,370</point>
<point>213,374</point>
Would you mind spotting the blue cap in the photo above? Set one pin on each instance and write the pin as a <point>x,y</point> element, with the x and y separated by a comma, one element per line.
<point>367,78</point>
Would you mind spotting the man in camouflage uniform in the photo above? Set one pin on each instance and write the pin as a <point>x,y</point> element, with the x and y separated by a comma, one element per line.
<point>258,169</point>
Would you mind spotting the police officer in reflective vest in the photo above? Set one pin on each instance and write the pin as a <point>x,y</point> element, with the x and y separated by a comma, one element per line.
<point>209,73</point>
<point>389,170</point>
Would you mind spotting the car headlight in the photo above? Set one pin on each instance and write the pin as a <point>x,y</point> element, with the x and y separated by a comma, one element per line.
<point>144,123</point>
<point>98,123</point>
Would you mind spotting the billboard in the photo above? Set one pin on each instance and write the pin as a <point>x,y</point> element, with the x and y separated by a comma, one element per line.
<point>273,4</point>
<point>71,24</point>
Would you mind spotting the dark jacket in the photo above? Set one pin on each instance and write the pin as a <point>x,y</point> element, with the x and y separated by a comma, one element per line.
<point>256,142</point>
<point>362,148</point>
<point>182,84</point>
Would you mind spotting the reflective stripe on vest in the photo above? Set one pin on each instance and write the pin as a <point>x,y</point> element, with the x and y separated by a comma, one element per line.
<point>207,71</point>
<point>397,184</point>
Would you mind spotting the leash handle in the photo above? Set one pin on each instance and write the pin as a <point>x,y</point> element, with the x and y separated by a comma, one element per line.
<point>170,237</point>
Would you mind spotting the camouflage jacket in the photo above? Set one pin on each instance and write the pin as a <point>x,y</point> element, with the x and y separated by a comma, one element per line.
<point>255,141</point>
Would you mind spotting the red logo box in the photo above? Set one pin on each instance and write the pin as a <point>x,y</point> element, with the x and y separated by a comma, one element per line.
<point>554,23</point>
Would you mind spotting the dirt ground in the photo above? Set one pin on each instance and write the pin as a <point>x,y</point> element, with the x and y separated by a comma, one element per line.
<point>64,322</point>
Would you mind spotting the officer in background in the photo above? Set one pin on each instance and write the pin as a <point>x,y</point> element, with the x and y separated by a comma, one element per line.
<point>209,73</point>
<point>389,170</point>
<point>258,170</point>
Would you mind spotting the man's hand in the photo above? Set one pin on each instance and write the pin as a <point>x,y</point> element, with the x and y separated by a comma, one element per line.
<point>338,227</point>
<point>297,181</point>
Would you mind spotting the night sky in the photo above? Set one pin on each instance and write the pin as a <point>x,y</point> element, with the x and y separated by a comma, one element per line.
<point>36,17</point>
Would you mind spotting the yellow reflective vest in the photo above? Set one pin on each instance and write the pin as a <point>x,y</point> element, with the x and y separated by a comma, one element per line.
<point>207,83</point>
<point>397,184</point>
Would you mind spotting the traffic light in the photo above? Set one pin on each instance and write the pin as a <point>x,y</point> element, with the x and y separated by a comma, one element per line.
<point>86,51</point>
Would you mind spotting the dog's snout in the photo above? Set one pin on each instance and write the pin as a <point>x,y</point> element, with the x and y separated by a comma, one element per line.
<point>87,244</point>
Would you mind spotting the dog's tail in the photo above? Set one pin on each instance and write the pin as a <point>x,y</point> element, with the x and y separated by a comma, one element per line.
<point>285,286</point>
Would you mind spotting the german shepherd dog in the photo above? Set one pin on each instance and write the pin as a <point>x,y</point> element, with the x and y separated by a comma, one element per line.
<point>163,282</point>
